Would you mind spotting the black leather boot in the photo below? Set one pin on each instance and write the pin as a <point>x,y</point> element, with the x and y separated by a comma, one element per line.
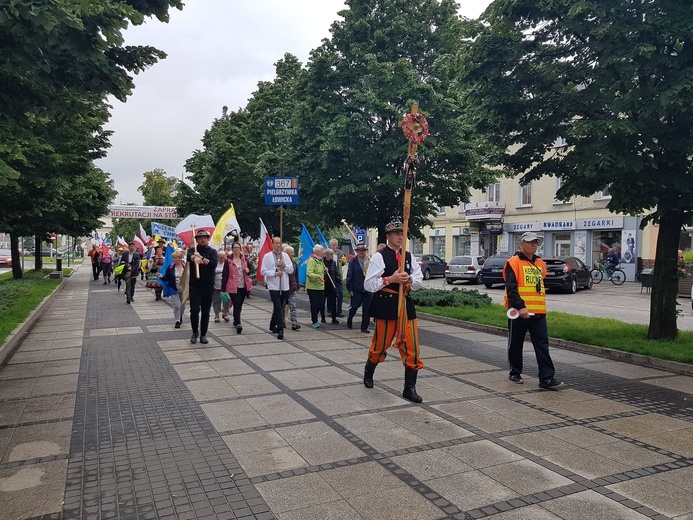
<point>368,374</point>
<point>409,392</point>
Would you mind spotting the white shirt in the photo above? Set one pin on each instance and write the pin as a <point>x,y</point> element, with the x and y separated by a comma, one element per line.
<point>376,268</point>
<point>269,271</point>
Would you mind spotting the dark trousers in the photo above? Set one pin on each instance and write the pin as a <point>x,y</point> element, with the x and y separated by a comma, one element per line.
<point>237,300</point>
<point>331,302</point>
<point>130,288</point>
<point>340,297</point>
<point>357,300</point>
<point>317,304</point>
<point>279,300</point>
<point>95,271</point>
<point>536,325</point>
<point>200,304</point>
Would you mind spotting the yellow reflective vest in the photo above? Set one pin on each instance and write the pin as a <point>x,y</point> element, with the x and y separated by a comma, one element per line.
<point>529,277</point>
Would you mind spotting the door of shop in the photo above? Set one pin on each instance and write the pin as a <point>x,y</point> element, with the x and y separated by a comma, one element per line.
<point>562,245</point>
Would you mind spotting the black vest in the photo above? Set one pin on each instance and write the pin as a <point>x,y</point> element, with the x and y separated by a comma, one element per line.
<point>384,303</point>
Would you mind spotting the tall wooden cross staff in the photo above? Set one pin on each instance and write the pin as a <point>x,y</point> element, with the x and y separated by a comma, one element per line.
<point>415,128</point>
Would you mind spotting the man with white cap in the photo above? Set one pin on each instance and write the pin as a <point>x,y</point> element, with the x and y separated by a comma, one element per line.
<point>524,291</point>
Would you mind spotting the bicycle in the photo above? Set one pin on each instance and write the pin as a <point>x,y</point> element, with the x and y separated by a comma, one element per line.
<point>618,276</point>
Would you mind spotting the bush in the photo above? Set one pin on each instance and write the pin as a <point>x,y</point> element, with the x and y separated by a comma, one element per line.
<point>454,298</point>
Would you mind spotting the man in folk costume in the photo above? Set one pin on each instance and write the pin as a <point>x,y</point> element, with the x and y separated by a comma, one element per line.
<point>203,264</point>
<point>276,268</point>
<point>525,292</point>
<point>383,279</point>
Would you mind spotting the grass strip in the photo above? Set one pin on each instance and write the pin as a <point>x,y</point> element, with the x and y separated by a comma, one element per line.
<point>602,332</point>
<point>19,297</point>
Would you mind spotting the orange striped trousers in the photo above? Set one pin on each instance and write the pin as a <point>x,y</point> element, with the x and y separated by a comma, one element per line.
<point>385,333</point>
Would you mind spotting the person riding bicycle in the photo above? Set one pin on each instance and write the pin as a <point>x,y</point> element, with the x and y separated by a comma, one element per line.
<point>612,261</point>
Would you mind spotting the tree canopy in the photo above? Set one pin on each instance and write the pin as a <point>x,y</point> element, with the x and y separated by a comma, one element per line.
<point>346,143</point>
<point>334,124</point>
<point>60,61</point>
<point>596,93</point>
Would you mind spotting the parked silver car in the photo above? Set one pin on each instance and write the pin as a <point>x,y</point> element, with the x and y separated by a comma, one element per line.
<point>464,268</point>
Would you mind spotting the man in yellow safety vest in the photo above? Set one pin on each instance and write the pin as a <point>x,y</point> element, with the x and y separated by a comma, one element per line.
<point>525,293</point>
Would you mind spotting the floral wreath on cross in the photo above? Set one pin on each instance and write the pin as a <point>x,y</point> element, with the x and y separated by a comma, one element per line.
<point>415,120</point>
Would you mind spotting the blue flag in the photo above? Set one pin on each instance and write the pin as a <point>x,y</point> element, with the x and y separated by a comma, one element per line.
<point>321,238</point>
<point>305,249</point>
<point>168,260</point>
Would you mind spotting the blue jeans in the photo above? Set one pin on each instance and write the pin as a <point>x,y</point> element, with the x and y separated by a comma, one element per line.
<point>340,297</point>
<point>361,298</point>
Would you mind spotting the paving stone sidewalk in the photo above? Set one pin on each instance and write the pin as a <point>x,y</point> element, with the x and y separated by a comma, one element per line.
<point>107,411</point>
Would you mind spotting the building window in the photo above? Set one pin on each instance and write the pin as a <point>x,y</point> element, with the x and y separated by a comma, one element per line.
<point>463,245</point>
<point>559,183</point>
<point>526,195</point>
<point>441,210</point>
<point>493,192</point>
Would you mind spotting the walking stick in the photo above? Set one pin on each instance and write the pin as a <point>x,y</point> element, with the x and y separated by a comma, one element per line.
<point>353,236</point>
<point>328,275</point>
<point>415,128</point>
<point>197,266</point>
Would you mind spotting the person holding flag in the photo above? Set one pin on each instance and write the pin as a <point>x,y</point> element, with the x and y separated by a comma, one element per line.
<point>173,279</point>
<point>275,268</point>
<point>132,261</point>
<point>203,261</point>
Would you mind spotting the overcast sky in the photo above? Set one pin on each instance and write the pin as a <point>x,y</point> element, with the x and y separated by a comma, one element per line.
<point>218,50</point>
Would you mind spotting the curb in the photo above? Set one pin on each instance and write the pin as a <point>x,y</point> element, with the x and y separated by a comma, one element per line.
<point>16,337</point>
<point>607,353</point>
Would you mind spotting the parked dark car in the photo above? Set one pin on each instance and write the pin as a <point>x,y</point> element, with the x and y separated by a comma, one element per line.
<point>5,258</point>
<point>567,273</point>
<point>492,271</point>
<point>431,265</point>
<point>464,268</point>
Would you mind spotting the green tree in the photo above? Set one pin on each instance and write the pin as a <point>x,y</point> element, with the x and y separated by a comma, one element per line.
<point>346,144</point>
<point>61,190</point>
<point>612,81</point>
<point>240,150</point>
<point>158,189</point>
<point>56,52</point>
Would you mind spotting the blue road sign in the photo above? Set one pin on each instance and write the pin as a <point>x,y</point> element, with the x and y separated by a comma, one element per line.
<point>281,191</point>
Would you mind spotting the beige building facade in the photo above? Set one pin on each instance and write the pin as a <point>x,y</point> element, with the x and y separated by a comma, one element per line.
<point>493,221</point>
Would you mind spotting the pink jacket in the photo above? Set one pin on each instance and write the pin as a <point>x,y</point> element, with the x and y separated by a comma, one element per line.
<point>229,276</point>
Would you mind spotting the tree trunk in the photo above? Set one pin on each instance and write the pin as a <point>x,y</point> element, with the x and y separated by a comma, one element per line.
<point>665,279</point>
<point>16,257</point>
<point>38,257</point>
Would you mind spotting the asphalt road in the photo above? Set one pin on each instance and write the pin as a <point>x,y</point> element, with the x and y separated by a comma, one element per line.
<point>605,300</point>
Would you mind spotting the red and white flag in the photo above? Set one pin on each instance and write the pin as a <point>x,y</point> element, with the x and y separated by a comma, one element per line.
<point>185,227</point>
<point>122,242</point>
<point>140,244</point>
<point>265,247</point>
<point>146,239</point>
